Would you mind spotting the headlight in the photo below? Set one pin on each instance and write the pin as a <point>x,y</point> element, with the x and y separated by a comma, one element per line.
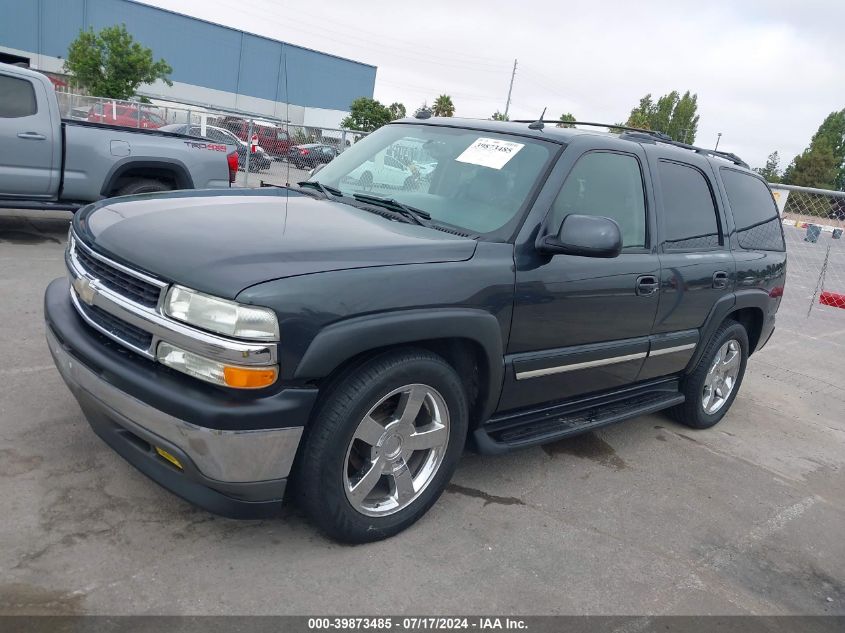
<point>220,315</point>
<point>214,371</point>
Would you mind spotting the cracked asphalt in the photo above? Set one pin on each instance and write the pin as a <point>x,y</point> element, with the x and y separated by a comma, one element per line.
<point>646,517</point>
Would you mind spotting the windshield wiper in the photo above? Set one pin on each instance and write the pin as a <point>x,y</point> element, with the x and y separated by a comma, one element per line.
<point>329,192</point>
<point>417,216</point>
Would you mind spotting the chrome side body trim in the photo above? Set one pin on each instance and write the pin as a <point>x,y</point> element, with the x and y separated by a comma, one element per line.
<point>672,350</point>
<point>547,371</point>
<point>153,321</point>
<point>225,456</point>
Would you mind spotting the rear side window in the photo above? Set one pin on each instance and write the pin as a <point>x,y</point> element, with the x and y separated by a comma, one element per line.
<point>608,185</point>
<point>689,214</point>
<point>755,214</point>
<point>17,98</point>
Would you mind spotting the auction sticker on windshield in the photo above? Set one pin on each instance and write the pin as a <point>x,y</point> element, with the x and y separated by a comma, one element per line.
<point>490,152</point>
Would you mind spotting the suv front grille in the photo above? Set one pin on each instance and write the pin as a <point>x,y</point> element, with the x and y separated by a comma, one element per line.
<point>118,328</point>
<point>126,285</point>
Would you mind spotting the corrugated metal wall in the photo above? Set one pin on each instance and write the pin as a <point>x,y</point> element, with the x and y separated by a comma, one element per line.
<point>201,53</point>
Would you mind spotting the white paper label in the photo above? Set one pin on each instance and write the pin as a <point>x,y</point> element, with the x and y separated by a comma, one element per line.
<point>490,152</point>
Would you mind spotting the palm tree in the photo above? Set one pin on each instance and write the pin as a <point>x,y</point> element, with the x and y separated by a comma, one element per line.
<point>443,106</point>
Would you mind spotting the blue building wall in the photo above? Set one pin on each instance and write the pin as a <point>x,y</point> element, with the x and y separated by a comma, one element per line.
<point>201,53</point>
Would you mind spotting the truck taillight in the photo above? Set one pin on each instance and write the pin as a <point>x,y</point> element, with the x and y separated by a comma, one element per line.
<point>232,159</point>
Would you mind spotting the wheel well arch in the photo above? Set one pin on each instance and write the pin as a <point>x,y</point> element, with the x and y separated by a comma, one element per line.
<point>464,355</point>
<point>173,173</point>
<point>469,339</point>
<point>751,318</point>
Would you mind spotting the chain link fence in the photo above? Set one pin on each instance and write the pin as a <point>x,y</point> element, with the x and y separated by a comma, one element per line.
<point>270,151</point>
<point>813,303</point>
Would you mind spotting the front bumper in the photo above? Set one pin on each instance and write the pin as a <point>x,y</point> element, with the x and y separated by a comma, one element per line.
<point>235,472</point>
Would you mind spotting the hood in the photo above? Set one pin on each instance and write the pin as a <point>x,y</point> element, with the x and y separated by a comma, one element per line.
<point>223,242</point>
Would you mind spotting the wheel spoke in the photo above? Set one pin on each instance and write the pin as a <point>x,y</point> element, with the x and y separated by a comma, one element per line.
<point>369,431</point>
<point>366,484</point>
<point>410,404</point>
<point>432,437</point>
<point>403,484</point>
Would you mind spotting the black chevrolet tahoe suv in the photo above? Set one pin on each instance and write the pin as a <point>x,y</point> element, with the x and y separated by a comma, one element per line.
<point>441,283</point>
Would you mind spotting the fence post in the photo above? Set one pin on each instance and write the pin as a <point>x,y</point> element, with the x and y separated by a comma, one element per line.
<point>248,154</point>
<point>343,141</point>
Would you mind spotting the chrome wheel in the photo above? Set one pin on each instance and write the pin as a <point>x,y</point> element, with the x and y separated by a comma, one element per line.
<point>396,450</point>
<point>721,378</point>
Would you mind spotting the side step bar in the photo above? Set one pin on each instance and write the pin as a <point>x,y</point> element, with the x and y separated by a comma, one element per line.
<point>40,205</point>
<point>522,429</point>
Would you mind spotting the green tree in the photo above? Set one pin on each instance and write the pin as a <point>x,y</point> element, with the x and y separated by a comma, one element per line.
<point>443,106</point>
<point>771,171</point>
<point>672,114</point>
<point>366,115</point>
<point>112,64</point>
<point>397,111</point>
<point>815,167</point>
<point>832,131</point>
<point>500,116</point>
<point>566,120</point>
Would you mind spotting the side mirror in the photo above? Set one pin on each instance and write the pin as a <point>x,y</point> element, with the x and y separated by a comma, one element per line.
<point>316,169</point>
<point>584,235</point>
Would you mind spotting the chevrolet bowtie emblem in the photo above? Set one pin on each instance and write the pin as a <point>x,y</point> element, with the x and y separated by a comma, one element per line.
<point>85,290</point>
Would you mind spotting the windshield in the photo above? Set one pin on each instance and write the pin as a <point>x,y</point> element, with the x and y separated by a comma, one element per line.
<point>471,179</point>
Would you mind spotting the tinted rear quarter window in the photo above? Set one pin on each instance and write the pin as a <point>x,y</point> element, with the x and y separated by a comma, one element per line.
<point>689,214</point>
<point>17,98</point>
<point>755,214</point>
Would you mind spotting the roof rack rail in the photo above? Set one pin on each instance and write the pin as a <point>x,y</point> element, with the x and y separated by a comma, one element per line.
<point>658,137</point>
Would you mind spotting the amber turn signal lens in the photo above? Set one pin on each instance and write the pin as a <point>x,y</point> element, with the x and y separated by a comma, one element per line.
<point>248,377</point>
<point>169,457</point>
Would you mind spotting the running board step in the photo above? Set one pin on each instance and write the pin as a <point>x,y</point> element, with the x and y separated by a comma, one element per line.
<point>40,205</point>
<point>506,434</point>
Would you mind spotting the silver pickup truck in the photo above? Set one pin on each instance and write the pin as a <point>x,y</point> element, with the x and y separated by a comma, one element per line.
<point>50,163</point>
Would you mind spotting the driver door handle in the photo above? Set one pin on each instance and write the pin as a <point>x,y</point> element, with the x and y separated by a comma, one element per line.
<point>32,136</point>
<point>647,285</point>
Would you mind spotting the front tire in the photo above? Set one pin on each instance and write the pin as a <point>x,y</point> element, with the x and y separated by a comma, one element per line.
<point>383,446</point>
<point>712,386</point>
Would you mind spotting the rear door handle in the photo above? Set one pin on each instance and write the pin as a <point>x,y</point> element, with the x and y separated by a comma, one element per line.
<point>720,279</point>
<point>32,136</point>
<point>647,285</point>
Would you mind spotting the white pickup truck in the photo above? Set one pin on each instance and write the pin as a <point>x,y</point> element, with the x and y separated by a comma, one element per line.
<point>50,163</point>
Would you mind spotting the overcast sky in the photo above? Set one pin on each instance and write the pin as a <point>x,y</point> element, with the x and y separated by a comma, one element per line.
<point>766,72</point>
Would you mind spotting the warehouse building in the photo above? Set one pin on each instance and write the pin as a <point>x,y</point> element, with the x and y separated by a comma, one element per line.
<point>213,65</point>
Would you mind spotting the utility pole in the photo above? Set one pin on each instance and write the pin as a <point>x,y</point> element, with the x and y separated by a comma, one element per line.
<point>510,89</point>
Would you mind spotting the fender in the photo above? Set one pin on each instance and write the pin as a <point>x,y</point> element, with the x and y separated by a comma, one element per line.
<point>746,298</point>
<point>341,341</point>
<point>180,172</point>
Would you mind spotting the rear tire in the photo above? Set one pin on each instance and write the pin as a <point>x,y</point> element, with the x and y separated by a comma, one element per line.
<point>366,471</point>
<point>712,386</point>
<point>143,185</point>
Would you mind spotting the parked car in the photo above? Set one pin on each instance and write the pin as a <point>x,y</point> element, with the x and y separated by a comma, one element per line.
<point>50,163</point>
<point>124,115</point>
<point>258,160</point>
<point>381,173</point>
<point>309,155</point>
<point>344,346</point>
<point>274,139</point>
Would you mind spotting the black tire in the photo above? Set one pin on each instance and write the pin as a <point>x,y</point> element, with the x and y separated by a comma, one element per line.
<point>321,465</point>
<point>143,185</point>
<point>691,413</point>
